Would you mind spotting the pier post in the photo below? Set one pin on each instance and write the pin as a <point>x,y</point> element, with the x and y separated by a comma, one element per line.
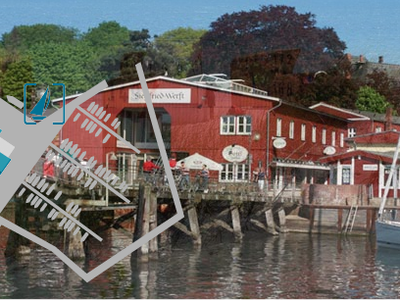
<point>142,221</point>
<point>153,243</point>
<point>269,218</point>
<point>16,244</point>
<point>311,225</point>
<point>194,225</point>
<point>340,220</point>
<point>146,218</point>
<point>73,247</point>
<point>237,229</point>
<point>282,220</point>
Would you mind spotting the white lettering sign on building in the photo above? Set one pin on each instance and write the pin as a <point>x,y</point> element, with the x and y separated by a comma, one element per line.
<point>161,95</point>
<point>370,167</point>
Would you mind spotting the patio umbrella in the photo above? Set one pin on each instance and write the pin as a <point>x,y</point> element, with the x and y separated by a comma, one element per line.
<point>196,161</point>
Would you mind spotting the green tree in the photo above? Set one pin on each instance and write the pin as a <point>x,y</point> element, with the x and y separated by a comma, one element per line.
<point>175,47</point>
<point>13,79</point>
<point>110,41</point>
<point>370,100</point>
<point>73,64</point>
<point>107,36</point>
<point>24,37</point>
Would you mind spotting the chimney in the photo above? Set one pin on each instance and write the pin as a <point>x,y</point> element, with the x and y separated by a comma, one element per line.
<point>381,59</point>
<point>361,59</point>
<point>388,119</point>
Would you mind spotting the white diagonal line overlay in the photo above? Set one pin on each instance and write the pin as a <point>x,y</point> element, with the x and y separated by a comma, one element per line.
<point>90,173</point>
<point>109,130</point>
<point>62,211</point>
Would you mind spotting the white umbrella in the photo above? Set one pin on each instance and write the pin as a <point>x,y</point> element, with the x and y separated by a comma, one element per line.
<point>196,161</point>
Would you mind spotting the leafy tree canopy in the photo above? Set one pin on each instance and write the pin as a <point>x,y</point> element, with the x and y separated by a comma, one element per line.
<point>106,37</point>
<point>72,64</point>
<point>175,47</point>
<point>268,29</point>
<point>370,100</point>
<point>24,37</point>
<point>17,74</point>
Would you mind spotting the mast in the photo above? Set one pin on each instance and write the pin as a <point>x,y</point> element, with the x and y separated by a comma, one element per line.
<point>388,181</point>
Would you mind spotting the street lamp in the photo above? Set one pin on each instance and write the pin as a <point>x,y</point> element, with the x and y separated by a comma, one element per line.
<point>112,158</point>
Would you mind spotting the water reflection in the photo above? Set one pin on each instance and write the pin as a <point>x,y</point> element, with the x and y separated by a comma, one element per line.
<point>286,266</point>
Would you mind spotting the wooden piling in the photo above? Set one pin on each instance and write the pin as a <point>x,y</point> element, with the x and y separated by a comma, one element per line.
<point>141,222</point>
<point>340,220</point>
<point>282,221</point>
<point>17,245</point>
<point>311,225</point>
<point>146,218</point>
<point>73,246</point>
<point>153,244</point>
<point>194,225</point>
<point>237,229</point>
<point>269,217</point>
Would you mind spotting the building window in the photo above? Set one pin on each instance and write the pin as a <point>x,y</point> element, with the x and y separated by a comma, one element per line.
<point>342,139</point>
<point>323,137</point>
<point>378,129</point>
<point>136,127</point>
<point>333,138</point>
<point>291,130</point>
<point>351,132</point>
<point>279,127</point>
<point>243,125</point>
<point>234,172</point>
<point>314,134</point>
<point>346,175</point>
<point>231,125</point>
<point>303,132</point>
<point>227,125</point>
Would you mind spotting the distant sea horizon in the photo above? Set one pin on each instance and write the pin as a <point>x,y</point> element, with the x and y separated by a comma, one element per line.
<point>369,28</point>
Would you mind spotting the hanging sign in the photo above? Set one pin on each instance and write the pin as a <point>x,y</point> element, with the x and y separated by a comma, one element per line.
<point>235,153</point>
<point>279,143</point>
<point>329,150</point>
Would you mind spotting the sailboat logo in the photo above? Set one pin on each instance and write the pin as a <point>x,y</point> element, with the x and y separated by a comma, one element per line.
<point>38,112</point>
<point>40,108</point>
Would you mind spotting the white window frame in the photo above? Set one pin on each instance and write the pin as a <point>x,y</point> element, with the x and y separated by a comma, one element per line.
<point>333,138</point>
<point>314,134</point>
<point>278,127</point>
<point>378,129</point>
<point>303,132</point>
<point>226,122</point>
<point>246,125</point>
<point>341,139</point>
<point>291,130</point>
<point>234,172</point>
<point>351,132</point>
<point>323,136</point>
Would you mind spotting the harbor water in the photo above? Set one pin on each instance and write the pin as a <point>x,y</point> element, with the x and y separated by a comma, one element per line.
<point>285,266</point>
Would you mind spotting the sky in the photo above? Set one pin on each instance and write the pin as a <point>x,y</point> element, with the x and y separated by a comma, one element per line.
<point>368,27</point>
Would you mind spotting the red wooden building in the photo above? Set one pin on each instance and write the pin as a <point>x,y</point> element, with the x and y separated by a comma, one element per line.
<point>208,114</point>
<point>368,162</point>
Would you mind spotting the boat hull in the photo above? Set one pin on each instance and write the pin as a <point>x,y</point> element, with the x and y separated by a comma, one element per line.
<point>388,233</point>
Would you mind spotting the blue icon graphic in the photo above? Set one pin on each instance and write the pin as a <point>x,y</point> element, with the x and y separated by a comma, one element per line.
<point>5,151</point>
<point>41,107</point>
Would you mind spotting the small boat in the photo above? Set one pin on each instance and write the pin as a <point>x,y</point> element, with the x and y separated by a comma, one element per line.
<point>40,108</point>
<point>387,227</point>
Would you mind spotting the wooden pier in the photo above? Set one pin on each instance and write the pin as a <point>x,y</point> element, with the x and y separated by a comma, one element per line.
<point>230,210</point>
